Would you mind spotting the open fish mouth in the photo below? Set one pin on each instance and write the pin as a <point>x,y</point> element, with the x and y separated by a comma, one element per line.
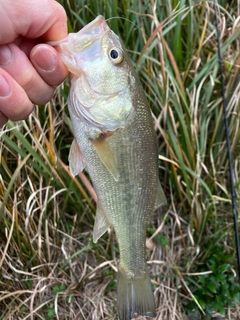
<point>91,31</point>
<point>96,27</point>
<point>87,35</point>
<point>76,43</point>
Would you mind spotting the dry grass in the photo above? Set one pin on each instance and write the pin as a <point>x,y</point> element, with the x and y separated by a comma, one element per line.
<point>49,266</point>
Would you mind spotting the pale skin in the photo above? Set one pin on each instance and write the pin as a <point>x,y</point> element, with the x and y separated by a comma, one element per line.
<point>29,67</point>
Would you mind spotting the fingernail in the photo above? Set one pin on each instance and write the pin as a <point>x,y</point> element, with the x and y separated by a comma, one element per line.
<point>5,88</point>
<point>44,57</point>
<point>5,55</point>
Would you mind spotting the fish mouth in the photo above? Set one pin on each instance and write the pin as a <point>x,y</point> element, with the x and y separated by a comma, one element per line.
<point>97,27</point>
<point>76,42</point>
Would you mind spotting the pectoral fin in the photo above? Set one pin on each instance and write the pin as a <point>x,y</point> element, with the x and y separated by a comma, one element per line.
<point>76,160</point>
<point>160,198</point>
<point>101,224</point>
<point>106,155</point>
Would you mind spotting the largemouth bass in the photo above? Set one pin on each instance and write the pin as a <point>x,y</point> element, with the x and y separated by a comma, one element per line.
<point>115,142</point>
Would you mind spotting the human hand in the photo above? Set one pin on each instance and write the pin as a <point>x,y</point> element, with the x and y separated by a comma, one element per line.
<point>29,68</point>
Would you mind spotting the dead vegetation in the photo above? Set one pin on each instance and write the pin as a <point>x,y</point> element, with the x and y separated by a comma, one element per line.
<point>49,267</point>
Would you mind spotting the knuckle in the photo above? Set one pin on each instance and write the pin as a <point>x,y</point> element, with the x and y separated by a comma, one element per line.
<point>38,91</point>
<point>26,80</point>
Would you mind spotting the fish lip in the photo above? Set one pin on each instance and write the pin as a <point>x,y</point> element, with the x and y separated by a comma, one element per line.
<point>75,43</point>
<point>93,30</point>
<point>99,26</point>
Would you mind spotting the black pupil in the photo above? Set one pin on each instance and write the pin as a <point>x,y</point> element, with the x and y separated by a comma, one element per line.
<point>114,54</point>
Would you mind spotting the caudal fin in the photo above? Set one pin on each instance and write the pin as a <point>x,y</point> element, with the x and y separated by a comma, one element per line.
<point>134,295</point>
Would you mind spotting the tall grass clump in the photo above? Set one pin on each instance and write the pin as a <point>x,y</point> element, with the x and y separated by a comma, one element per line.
<point>49,266</point>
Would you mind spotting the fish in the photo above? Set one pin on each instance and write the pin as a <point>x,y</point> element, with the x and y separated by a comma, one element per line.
<point>115,141</point>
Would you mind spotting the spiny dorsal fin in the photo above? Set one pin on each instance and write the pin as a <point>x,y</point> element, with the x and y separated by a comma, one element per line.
<point>106,155</point>
<point>75,158</point>
<point>101,224</point>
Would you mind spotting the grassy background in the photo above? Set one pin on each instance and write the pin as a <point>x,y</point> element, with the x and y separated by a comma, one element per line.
<point>49,266</point>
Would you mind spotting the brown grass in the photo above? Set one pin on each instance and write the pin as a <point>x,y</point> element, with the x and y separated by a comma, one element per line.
<point>49,267</point>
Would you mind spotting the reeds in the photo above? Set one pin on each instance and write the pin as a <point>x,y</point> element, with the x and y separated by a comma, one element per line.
<point>50,268</point>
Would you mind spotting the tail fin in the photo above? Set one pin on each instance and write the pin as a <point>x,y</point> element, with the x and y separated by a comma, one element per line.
<point>134,295</point>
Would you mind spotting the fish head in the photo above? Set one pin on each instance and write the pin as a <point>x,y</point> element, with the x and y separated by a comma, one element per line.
<point>102,77</point>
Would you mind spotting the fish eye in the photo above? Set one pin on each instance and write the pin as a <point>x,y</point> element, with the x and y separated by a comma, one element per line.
<point>116,55</point>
